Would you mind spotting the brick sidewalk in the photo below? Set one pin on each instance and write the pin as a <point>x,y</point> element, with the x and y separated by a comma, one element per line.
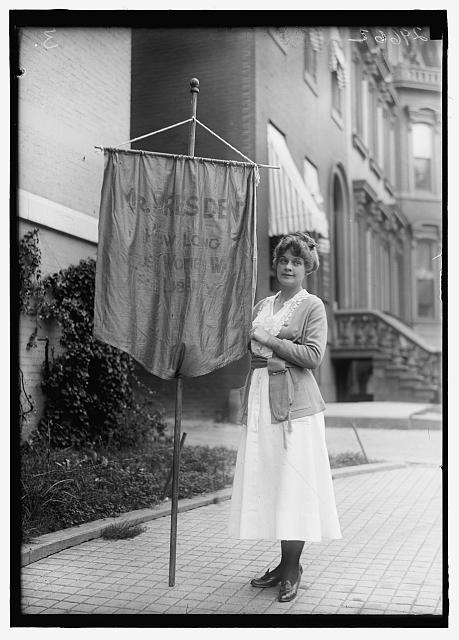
<point>388,562</point>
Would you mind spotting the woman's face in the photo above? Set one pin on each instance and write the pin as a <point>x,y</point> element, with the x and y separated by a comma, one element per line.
<point>290,270</point>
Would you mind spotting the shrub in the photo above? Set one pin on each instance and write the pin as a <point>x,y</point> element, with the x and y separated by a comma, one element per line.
<point>69,487</point>
<point>90,387</point>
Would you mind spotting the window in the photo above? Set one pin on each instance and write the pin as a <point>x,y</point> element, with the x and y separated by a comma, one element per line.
<point>392,155</point>
<point>387,143</point>
<point>425,279</point>
<point>422,156</point>
<point>431,53</point>
<point>357,98</point>
<point>365,114</point>
<point>399,298</point>
<point>311,178</point>
<point>339,73</point>
<point>380,136</point>
<point>372,118</point>
<point>386,279</point>
<point>336,93</point>
<point>369,261</point>
<point>310,56</point>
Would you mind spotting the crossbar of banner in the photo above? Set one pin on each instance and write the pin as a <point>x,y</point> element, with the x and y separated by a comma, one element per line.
<point>181,155</point>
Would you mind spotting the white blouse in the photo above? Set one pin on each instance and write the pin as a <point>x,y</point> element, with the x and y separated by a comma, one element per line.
<point>273,322</point>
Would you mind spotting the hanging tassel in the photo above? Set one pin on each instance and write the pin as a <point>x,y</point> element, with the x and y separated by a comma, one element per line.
<point>289,427</point>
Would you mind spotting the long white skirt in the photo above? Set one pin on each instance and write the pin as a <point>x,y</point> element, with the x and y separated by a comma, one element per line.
<point>282,493</point>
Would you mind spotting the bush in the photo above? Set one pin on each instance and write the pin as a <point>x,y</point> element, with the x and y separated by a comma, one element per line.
<point>92,393</point>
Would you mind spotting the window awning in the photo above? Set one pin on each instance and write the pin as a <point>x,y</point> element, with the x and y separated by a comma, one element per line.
<point>291,205</point>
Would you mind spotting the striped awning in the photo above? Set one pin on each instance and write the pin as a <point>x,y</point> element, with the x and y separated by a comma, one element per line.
<point>291,205</point>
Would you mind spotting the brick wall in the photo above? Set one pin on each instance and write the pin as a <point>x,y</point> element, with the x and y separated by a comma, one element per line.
<point>74,94</point>
<point>163,63</point>
<point>71,97</point>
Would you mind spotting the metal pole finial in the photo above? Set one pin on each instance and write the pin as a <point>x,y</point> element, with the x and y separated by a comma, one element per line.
<point>194,90</point>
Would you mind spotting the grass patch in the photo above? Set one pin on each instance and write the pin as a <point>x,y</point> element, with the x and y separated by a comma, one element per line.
<point>69,488</point>
<point>348,459</point>
<point>122,530</point>
<point>66,488</point>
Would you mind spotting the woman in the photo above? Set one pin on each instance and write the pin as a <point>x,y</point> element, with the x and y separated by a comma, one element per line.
<point>282,486</point>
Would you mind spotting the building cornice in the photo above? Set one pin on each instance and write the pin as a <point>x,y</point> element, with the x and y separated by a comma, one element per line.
<point>56,216</point>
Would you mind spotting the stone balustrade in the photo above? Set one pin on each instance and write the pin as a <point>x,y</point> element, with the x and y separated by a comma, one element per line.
<point>392,345</point>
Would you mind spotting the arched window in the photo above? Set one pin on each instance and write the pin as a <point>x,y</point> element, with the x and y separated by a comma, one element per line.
<point>339,234</point>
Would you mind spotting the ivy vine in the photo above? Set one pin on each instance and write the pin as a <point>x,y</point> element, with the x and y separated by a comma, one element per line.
<point>93,395</point>
<point>31,290</point>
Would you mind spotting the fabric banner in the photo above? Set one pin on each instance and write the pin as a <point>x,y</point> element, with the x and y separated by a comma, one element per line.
<point>176,260</point>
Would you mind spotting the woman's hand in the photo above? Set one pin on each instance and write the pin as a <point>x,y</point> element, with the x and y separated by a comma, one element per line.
<point>260,335</point>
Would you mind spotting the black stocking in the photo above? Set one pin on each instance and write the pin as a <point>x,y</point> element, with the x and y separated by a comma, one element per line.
<point>290,562</point>
<point>289,565</point>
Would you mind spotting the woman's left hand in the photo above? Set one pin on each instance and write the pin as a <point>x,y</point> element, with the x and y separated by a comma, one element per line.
<point>260,335</point>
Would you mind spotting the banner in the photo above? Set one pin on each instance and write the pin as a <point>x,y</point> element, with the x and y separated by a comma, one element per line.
<point>176,260</point>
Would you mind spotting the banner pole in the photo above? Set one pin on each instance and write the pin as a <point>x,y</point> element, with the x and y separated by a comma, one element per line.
<point>194,89</point>
<point>175,473</point>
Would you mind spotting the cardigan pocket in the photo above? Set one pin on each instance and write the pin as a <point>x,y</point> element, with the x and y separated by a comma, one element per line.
<point>280,389</point>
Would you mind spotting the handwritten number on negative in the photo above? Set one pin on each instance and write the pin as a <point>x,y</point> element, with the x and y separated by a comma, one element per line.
<point>49,35</point>
<point>417,36</point>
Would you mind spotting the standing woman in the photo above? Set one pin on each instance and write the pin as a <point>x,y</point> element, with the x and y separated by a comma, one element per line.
<point>282,485</point>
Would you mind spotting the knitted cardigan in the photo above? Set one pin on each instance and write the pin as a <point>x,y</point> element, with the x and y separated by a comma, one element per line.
<point>298,348</point>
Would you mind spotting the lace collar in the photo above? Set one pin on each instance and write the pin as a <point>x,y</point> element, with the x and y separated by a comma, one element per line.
<point>273,322</point>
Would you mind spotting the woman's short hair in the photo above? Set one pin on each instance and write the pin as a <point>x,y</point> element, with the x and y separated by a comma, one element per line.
<point>300,244</point>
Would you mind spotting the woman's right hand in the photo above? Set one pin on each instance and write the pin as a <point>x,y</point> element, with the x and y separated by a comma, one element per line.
<point>260,335</point>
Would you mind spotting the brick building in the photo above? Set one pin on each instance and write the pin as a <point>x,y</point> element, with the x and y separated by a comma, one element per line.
<point>355,127</point>
<point>334,113</point>
<point>72,96</point>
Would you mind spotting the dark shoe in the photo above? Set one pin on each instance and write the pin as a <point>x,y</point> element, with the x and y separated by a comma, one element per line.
<point>270,579</point>
<point>288,590</point>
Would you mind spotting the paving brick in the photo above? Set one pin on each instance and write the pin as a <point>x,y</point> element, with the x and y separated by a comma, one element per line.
<point>429,602</point>
<point>303,608</point>
<point>83,607</point>
<point>398,608</point>
<point>423,609</point>
<point>105,609</point>
<point>213,573</point>
<point>372,612</point>
<point>33,609</point>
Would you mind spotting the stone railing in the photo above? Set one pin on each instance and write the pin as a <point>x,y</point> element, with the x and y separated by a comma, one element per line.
<point>418,75</point>
<point>398,349</point>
